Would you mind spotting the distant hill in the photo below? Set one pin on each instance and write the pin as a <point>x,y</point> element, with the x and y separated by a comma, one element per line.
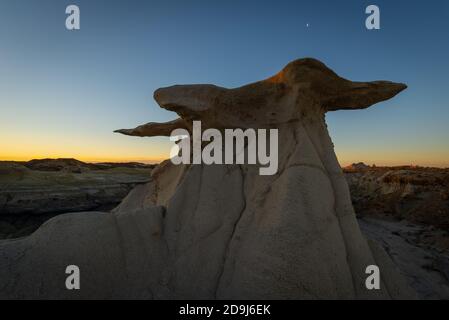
<point>73,165</point>
<point>135,165</point>
<point>34,191</point>
<point>356,167</point>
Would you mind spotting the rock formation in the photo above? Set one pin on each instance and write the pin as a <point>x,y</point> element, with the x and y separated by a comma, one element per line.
<point>224,231</point>
<point>416,194</point>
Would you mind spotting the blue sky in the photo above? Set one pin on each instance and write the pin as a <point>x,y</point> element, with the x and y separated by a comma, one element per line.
<point>62,93</point>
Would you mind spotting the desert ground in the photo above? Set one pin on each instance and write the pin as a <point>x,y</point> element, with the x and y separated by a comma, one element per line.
<point>404,209</point>
<point>35,191</point>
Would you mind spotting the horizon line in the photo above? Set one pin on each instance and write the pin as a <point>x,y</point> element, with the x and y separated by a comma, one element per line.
<point>160,160</point>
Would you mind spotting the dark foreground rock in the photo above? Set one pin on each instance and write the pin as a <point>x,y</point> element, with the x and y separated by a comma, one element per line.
<point>424,264</point>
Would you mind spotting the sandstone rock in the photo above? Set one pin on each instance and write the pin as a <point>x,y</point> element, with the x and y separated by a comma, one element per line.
<point>214,232</point>
<point>356,167</point>
<point>413,193</point>
<point>153,129</point>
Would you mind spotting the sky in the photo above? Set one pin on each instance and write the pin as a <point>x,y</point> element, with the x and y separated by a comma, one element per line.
<point>63,93</point>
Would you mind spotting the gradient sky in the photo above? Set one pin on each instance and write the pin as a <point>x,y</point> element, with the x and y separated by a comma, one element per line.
<point>63,93</point>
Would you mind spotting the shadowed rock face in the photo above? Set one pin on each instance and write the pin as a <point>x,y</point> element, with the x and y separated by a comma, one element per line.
<point>225,231</point>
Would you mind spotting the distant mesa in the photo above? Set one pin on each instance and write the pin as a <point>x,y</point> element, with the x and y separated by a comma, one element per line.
<point>356,167</point>
<point>72,165</point>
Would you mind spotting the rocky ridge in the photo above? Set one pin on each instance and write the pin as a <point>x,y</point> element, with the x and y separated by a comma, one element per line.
<point>415,194</point>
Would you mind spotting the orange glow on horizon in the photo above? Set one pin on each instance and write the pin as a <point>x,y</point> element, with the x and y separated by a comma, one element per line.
<point>343,159</point>
<point>84,158</point>
<point>18,147</point>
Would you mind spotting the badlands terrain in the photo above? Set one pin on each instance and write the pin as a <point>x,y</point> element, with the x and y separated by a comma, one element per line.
<point>416,194</point>
<point>32,192</point>
<point>404,209</point>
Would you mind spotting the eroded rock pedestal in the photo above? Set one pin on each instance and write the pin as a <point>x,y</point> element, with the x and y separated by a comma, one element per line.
<point>224,231</point>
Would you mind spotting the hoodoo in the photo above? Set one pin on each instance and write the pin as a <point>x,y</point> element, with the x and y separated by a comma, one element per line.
<point>224,231</point>
<point>250,144</point>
